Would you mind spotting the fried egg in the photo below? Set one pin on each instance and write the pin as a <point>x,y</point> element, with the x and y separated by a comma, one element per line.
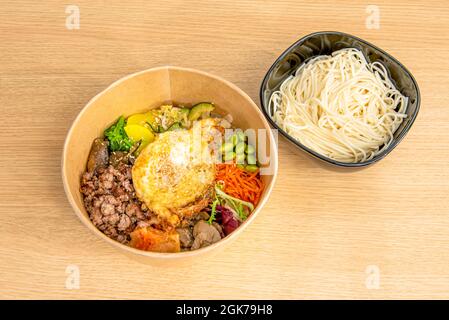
<point>174,175</point>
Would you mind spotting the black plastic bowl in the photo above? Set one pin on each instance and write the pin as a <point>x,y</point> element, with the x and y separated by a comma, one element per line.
<point>320,43</point>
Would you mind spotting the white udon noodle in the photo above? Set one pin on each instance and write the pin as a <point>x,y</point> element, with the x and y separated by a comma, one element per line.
<point>340,106</point>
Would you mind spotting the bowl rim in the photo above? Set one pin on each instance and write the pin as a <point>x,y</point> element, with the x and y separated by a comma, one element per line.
<point>315,154</point>
<point>163,255</point>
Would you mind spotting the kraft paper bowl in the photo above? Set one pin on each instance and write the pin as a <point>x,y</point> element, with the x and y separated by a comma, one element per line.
<point>142,91</point>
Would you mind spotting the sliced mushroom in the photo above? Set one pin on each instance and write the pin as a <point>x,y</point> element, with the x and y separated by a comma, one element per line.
<point>98,156</point>
<point>204,234</point>
<point>185,237</point>
<point>219,229</point>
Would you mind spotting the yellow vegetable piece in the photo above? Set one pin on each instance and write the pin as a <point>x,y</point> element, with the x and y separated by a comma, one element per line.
<point>138,118</point>
<point>139,133</point>
<point>150,118</point>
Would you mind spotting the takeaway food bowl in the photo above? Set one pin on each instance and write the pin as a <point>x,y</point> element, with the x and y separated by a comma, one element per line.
<point>149,89</point>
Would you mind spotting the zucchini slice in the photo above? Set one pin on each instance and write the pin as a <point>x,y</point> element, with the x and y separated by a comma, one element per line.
<point>175,126</point>
<point>200,108</point>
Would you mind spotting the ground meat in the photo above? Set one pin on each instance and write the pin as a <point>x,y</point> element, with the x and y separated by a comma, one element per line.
<point>111,202</point>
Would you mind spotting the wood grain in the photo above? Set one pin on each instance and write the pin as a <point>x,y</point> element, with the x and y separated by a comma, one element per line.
<point>320,230</point>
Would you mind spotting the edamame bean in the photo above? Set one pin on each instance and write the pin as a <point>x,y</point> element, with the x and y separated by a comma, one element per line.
<point>227,147</point>
<point>229,156</point>
<point>250,149</point>
<point>234,139</point>
<point>240,135</point>
<point>240,158</point>
<point>251,159</point>
<point>240,148</point>
<point>251,168</point>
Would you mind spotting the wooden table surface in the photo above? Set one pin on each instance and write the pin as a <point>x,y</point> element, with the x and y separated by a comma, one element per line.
<point>382,232</point>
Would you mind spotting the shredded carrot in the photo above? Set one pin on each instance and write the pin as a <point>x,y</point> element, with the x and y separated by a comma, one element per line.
<point>239,183</point>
